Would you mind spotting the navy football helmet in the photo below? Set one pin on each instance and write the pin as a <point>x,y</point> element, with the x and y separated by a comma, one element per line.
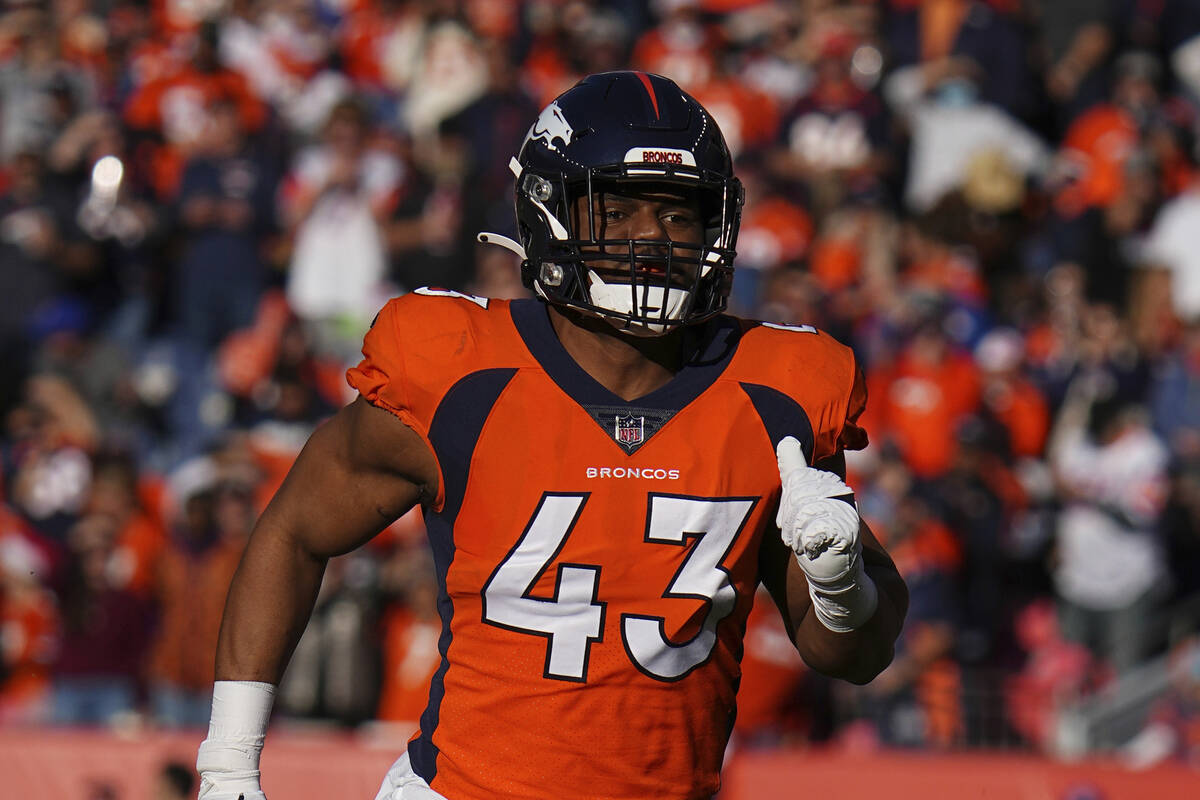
<point>628,131</point>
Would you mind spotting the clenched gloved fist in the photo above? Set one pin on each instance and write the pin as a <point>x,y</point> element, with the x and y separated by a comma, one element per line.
<point>207,792</point>
<point>822,530</point>
<point>226,773</point>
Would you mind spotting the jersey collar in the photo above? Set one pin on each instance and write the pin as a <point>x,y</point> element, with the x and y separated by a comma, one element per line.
<point>719,337</point>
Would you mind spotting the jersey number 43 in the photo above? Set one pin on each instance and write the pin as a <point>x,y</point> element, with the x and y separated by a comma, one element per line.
<point>573,618</point>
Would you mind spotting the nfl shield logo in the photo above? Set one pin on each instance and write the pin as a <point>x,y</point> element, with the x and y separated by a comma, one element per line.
<point>630,430</point>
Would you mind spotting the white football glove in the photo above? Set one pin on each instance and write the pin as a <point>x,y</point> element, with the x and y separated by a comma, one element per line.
<point>211,791</point>
<point>822,531</point>
<point>218,784</point>
<point>228,758</point>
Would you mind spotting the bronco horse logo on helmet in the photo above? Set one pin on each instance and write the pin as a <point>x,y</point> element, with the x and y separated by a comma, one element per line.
<point>551,125</point>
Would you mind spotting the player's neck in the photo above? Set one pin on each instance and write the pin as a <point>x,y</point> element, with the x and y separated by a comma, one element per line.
<point>628,366</point>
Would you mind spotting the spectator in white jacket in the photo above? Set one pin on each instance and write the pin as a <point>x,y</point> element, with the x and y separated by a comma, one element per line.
<point>1111,471</point>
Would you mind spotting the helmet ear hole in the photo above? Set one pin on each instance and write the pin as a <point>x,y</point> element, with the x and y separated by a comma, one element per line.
<point>552,274</point>
<point>538,188</point>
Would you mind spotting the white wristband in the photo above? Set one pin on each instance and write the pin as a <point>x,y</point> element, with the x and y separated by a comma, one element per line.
<point>228,758</point>
<point>848,607</point>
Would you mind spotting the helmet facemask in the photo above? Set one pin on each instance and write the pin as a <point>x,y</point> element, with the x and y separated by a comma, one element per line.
<point>644,287</point>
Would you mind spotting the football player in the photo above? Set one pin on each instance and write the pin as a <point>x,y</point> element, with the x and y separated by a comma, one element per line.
<point>607,472</point>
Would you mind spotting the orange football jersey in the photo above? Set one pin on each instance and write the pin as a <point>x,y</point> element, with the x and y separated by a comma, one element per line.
<point>596,558</point>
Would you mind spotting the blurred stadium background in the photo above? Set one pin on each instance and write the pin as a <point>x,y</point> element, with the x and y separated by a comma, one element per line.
<point>996,203</point>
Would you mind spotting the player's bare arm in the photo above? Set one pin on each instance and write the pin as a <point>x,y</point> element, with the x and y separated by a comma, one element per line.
<point>358,472</point>
<point>856,656</point>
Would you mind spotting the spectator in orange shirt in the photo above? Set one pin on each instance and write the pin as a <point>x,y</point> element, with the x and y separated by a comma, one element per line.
<point>748,117</point>
<point>1008,396</point>
<point>213,524</point>
<point>1117,162</point>
<point>410,641</point>
<point>371,36</point>
<point>1100,142</point>
<point>919,400</point>
<point>172,108</point>
<point>682,46</point>
<point>940,259</point>
<point>29,624</point>
<point>140,538</point>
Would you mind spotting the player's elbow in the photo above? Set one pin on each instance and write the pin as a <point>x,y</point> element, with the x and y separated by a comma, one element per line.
<point>858,656</point>
<point>868,668</point>
<point>859,666</point>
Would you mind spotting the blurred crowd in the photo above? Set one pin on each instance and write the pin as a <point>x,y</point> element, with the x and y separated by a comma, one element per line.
<point>203,203</point>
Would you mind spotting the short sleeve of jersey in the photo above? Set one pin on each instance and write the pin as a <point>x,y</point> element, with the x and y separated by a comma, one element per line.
<point>381,377</point>
<point>424,343</point>
<point>836,410</point>
<point>853,436</point>
<point>815,372</point>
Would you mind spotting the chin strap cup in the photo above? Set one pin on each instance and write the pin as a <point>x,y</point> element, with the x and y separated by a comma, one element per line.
<point>625,298</point>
